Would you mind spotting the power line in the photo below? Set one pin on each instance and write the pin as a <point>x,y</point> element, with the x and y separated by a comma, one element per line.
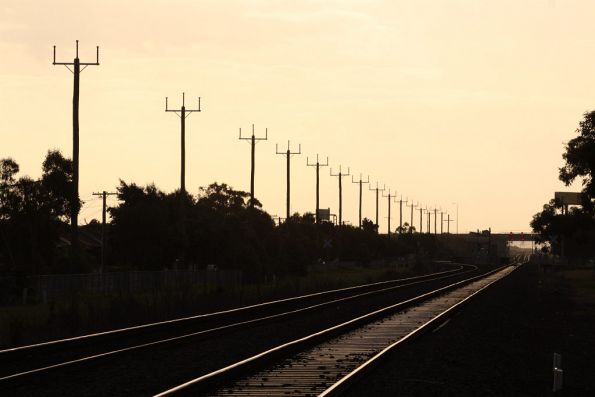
<point>74,201</point>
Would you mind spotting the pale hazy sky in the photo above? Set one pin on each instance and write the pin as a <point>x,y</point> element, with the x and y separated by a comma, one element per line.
<point>444,101</point>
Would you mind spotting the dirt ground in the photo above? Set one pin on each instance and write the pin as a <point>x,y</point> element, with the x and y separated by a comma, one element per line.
<point>501,343</point>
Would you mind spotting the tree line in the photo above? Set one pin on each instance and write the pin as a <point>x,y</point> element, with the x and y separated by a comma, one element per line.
<point>153,230</point>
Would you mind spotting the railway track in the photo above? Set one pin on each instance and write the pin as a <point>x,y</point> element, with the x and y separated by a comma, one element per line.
<point>23,363</point>
<point>326,362</point>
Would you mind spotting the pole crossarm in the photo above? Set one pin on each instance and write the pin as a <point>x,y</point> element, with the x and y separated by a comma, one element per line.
<point>249,138</point>
<point>96,63</point>
<point>183,110</point>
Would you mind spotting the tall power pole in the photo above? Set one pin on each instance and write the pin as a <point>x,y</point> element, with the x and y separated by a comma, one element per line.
<point>441,222</point>
<point>448,220</point>
<point>429,212</point>
<point>360,182</point>
<point>377,189</point>
<point>317,164</point>
<point>390,198</point>
<point>104,195</point>
<point>421,223</point>
<point>74,199</point>
<point>401,214</point>
<point>413,206</point>
<point>340,175</point>
<point>288,154</point>
<point>435,220</point>
<point>182,113</point>
<point>253,139</point>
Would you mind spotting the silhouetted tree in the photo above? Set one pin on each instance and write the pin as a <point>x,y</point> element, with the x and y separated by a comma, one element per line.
<point>580,156</point>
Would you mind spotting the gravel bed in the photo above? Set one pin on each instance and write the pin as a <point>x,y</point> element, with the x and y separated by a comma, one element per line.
<point>500,344</point>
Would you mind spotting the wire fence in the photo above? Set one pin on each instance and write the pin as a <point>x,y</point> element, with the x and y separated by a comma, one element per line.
<point>48,288</point>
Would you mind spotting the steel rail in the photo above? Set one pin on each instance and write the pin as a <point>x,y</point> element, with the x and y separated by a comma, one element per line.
<point>352,377</point>
<point>224,374</point>
<point>203,333</point>
<point>120,331</point>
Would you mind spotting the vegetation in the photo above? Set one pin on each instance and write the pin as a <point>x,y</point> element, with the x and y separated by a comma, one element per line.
<point>575,231</point>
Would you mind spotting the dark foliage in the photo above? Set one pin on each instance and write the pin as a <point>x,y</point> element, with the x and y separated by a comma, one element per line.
<point>575,231</point>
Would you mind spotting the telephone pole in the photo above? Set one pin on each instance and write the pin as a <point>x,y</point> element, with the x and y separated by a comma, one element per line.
<point>389,196</point>
<point>441,222</point>
<point>104,195</point>
<point>74,200</point>
<point>421,223</point>
<point>377,189</point>
<point>288,154</point>
<point>360,182</point>
<point>411,224</point>
<point>435,220</point>
<point>340,175</point>
<point>182,114</point>
<point>317,164</point>
<point>448,220</point>
<point>401,214</point>
<point>253,139</point>
<point>429,212</point>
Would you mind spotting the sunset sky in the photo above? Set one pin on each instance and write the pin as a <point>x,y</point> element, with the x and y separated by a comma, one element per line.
<point>442,101</point>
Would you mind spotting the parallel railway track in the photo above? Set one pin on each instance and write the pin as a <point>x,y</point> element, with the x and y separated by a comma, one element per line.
<point>326,362</point>
<point>23,363</point>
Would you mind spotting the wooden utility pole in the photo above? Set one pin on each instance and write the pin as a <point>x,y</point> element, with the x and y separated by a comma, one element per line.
<point>411,224</point>
<point>104,195</point>
<point>377,189</point>
<point>253,139</point>
<point>401,214</point>
<point>435,220</point>
<point>74,199</point>
<point>317,164</point>
<point>390,199</point>
<point>360,182</point>
<point>340,175</point>
<point>421,223</point>
<point>288,154</point>
<point>448,220</point>
<point>182,113</point>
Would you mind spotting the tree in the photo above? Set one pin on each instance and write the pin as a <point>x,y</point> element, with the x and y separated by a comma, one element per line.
<point>580,156</point>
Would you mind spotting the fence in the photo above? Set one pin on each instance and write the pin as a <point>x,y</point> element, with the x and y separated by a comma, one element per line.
<point>53,287</point>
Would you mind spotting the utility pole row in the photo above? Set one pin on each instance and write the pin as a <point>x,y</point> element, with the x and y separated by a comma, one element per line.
<point>360,182</point>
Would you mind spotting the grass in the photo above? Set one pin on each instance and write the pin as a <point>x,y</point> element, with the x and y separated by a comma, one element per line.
<point>583,283</point>
<point>83,314</point>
